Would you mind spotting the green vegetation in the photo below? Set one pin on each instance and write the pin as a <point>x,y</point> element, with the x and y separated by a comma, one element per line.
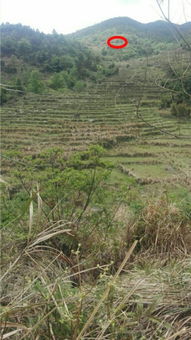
<point>37,62</point>
<point>76,229</point>
<point>144,39</point>
<point>180,99</point>
<point>35,85</point>
<point>181,110</point>
<point>96,188</point>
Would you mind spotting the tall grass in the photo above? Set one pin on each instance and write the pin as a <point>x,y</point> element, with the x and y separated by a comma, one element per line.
<point>129,281</point>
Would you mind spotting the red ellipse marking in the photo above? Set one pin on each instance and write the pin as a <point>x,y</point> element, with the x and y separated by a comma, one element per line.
<point>117,37</point>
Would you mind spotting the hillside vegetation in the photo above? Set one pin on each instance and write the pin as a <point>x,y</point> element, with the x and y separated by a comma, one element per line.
<point>96,187</point>
<point>144,39</point>
<point>36,62</point>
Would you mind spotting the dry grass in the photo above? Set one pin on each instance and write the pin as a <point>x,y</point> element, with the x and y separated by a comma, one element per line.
<point>47,294</point>
<point>154,304</point>
<point>165,230</point>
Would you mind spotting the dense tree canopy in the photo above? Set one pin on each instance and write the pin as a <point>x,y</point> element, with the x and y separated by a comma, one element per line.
<point>51,52</point>
<point>35,61</point>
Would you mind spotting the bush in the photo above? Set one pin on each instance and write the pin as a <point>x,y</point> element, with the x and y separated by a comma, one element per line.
<point>3,96</point>
<point>19,85</point>
<point>111,70</point>
<point>165,102</point>
<point>69,79</point>
<point>180,110</point>
<point>80,85</point>
<point>104,51</point>
<point>35,84</point>
<point>57,81</point>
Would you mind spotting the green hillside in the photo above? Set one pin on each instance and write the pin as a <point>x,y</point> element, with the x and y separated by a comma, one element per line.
<point>49,52</point>
<point>36,62</point>
<point>157,29</point>
<point>96,184</point>
<point>144,39</point>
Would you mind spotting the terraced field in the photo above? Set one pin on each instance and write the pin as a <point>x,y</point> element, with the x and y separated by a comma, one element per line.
<point>142,141</point>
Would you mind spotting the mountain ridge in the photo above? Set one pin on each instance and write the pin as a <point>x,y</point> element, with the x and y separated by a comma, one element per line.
<point>126,22</point>
<point>144,38</point>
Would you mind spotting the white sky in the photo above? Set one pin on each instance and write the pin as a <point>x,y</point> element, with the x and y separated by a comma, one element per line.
<point>67,16</point>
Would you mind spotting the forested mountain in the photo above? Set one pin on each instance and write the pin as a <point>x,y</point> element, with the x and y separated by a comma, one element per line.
<point>36,62</point>
<point>144,39</point>
<point>158,29</point>
<point>50,52</point>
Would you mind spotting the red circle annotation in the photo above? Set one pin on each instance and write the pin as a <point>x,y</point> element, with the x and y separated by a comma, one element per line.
<point>117,37</point>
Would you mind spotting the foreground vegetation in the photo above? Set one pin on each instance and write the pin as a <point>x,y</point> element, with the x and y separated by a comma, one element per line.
<point>90,259</point>
<point>95,243</point>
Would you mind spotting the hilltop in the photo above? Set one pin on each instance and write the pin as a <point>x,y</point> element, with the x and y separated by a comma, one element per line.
<point>144,39</point>
<point>157,29</point>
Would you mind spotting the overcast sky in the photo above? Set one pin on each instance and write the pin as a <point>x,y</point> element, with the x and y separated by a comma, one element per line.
<point>67,16</point>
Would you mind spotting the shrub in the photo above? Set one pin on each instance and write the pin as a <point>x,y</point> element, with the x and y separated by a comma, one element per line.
<point>180,110</point>
<point>3,96</point>
<point>35,84</point>
<point>80,85</point>
<point>10,69</point>
<point>166,101</point>
<point>57,81</point>
<point>164,229</point>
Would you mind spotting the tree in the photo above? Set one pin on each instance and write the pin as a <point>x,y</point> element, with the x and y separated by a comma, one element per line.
<point>8,46</point>
<point>35,84</point>
<point>3,96</point>
<point>80,85</point>
<point>186,43</point>
<point>69,79</point>
<point>180,110</point>
<point>54,32</point>
<point>178,76</point>
<point>57,81</point>
<point>24,47</point>
<point>19,85</point>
